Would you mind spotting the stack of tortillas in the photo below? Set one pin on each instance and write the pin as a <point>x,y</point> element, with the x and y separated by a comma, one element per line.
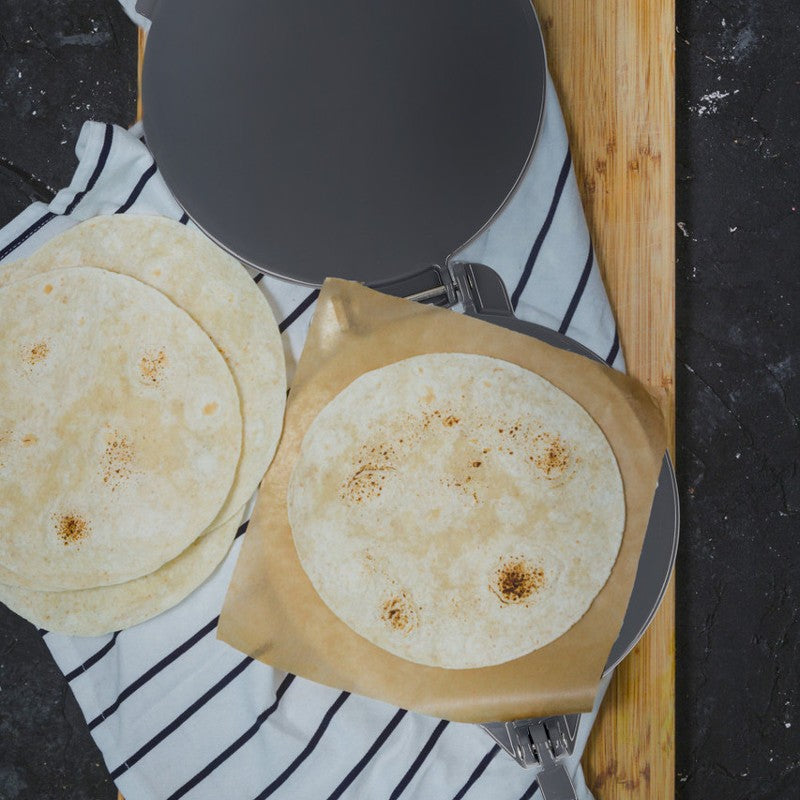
<point>142,391</point>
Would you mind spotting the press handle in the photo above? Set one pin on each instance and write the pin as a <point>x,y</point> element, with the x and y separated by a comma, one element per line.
<point>480,289</point>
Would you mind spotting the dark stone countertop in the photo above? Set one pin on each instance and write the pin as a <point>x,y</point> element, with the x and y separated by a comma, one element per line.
<point>738,395</point>
<point>738,280</point>
<point>61,62</point>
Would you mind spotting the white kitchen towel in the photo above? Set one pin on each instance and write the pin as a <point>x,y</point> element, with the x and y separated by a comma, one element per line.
<point>175,712</point>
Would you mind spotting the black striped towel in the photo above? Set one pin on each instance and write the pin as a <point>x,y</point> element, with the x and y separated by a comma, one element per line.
<point>177,713</point>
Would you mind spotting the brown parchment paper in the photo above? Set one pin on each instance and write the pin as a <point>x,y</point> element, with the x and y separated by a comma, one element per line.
<point>273,613</point>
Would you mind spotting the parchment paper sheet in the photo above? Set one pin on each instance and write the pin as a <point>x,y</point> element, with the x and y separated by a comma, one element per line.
<point>273,613</point>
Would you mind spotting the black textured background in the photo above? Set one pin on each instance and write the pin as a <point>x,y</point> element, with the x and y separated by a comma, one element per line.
<point>738,281</point>
<point>738,321</point>
<point>61,62</point>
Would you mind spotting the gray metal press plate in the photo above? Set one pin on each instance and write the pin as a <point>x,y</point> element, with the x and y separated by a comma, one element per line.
<point>356,138</point>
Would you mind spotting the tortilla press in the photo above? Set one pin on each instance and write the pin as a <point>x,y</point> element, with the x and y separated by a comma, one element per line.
<point>371,141</point>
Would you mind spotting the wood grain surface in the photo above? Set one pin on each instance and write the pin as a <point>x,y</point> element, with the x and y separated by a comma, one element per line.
<point>613,65</point>
<point>141,41</point>
<point>612,62</point>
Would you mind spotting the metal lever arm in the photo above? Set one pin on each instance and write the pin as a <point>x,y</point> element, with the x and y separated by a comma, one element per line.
<point>431,284</point>
<point>554,782</point>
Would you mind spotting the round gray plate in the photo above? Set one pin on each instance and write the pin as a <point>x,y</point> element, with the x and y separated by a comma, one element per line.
<point>356,138</point>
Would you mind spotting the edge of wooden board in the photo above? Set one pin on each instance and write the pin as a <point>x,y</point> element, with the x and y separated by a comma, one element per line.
<point>612,62</point>
<point>139,62</point>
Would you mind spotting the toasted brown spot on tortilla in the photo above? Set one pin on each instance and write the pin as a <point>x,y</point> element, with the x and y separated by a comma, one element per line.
<point>71,528</point>
<point>37,353</point>
<point>552,456</point>
<point>117,460</point>
<point>516,580</point>
<point>210,408</point>
<point>28,439</point>
<point>476,463</point>
<point>450,421</point>
<point>365,483</point>
<point>369,562</point>
<point>48,287</point>
<point>400,613</point>
<point>367,480</point>
<point>152,365</point>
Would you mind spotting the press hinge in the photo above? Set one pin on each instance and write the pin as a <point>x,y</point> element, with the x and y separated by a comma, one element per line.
<point>478,288</point>
<point>542,744</point>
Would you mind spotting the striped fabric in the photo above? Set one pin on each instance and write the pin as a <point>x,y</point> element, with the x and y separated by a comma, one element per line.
<point>175,712</point>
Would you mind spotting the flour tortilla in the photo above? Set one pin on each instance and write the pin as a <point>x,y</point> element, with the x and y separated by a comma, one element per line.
<point>94,612</point>
<point>119,430</point>
<point>215,290</point>
<point>456,510</point>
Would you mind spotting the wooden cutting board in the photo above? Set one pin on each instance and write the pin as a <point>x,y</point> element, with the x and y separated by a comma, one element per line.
<point>612,62</point>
